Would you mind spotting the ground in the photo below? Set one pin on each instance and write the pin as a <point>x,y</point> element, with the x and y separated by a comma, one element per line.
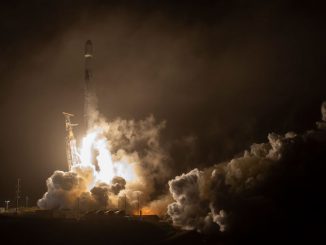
<point>43,228</point>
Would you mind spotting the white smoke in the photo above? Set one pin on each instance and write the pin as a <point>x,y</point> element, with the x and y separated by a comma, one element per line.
<point>130,163</point>
<point>250,187</point>
<point>65,187</point>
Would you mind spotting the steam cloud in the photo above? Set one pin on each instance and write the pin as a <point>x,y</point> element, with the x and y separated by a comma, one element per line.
<point>281,176</point>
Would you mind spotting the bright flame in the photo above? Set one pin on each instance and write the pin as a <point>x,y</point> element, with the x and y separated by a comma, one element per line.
<point>124,170</point>
<point>86,150</point>
<point>107,168</point>
<point>104,161</point>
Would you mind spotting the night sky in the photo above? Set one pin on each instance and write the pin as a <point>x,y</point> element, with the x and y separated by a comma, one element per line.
<point>221,73</point>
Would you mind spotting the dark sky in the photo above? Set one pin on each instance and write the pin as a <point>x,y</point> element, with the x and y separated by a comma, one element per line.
<point>223,72</point>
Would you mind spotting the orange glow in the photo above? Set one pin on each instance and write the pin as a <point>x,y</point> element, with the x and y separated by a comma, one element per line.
<point>146,211</point>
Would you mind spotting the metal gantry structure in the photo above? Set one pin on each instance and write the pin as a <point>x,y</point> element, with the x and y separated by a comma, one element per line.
<point>71,146</point>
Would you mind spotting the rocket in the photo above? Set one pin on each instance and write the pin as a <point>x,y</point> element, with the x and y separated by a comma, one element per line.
<point>88,58</point>
<point>90,97</point>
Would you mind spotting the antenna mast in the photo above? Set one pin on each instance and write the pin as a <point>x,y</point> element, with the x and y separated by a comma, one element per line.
<point>17,194</point>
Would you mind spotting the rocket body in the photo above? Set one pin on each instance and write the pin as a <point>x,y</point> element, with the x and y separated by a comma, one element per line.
<point>90,97</point>
<point>88,58</point>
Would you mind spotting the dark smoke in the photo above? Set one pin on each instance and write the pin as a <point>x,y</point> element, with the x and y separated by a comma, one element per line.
<point>101,194</point>
<point>118,184</point>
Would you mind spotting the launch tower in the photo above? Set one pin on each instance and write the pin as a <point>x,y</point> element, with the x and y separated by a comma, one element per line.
<point>71,147</point>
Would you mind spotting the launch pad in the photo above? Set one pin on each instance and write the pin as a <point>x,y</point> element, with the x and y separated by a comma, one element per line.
<point>73,227</point>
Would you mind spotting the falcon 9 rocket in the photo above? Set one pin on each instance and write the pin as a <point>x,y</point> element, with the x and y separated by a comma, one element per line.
<point>90,97</point>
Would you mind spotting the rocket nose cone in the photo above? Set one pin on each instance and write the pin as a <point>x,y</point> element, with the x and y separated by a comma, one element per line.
<point>89,47</point>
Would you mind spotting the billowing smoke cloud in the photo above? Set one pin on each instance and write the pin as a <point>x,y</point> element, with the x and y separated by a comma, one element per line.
<point>101,194</point>
<point>271,183</point>
<point>65,187</point>
<point>76,189</point>
<point>129,163</point>
<point>118,184</point>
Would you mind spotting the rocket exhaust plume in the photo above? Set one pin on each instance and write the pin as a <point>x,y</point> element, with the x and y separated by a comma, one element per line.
<point>125,171</point>
<point>121,159</point>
